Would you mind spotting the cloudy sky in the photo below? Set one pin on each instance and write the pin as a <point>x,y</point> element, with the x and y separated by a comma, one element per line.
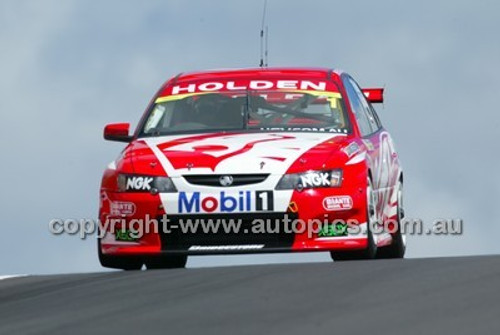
<point>69,67</point>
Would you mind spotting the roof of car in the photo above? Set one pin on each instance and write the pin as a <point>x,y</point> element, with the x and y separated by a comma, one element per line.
<point>296,72</point>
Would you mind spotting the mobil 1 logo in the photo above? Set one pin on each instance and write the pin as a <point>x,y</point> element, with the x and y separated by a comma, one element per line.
<point>264,201</point>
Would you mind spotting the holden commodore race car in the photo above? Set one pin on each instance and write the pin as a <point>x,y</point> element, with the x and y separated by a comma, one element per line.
<point>249,161</point>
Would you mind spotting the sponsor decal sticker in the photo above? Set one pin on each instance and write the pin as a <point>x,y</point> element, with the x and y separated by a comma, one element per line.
<point>138,183</point>
<point>305,129</point>
<point>293,207</point>
<point>250,85</point>
<point>125,236</point>
<point>337,203</point>
<point>351,149</point>
<point>243,201</point>
<point>369,145</point>
<point>315,179</point>
<point>226,247</point>
<point>122,208</point>
<point>334,230</point>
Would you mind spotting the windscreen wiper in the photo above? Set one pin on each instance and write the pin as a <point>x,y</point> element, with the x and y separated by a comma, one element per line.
<point>262,103</point>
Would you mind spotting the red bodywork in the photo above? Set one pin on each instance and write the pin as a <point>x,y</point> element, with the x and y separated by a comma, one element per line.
<point>359,156</point>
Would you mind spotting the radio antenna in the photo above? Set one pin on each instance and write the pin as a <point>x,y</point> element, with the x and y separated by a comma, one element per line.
<point>263,38</point>
<point>266,50</point>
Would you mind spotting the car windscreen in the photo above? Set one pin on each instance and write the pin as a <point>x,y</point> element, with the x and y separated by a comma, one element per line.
<point>248,110</point>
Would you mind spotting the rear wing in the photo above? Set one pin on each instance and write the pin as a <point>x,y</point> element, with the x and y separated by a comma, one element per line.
<point>374,95</point>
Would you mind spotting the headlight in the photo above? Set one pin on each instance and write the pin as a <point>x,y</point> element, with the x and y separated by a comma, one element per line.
<point>311,179</point>
<point>136,183</point>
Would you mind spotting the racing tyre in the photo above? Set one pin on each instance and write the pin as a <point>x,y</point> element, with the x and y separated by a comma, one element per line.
<point>371,251</point>
<point>166,262</point>
<point>118,262</point>
<point>398,247</point>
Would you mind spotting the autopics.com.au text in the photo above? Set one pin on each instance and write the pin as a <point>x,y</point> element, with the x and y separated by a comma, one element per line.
<point>312,227</point>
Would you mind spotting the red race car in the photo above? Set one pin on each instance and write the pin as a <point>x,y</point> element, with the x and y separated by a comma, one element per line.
<point>252,160</point>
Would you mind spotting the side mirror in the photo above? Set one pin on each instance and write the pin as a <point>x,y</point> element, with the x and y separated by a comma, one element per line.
<point>117,132</point>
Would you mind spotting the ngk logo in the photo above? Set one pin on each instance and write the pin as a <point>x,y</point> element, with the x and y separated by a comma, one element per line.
<point>139,183</point>
<point>315,179</point>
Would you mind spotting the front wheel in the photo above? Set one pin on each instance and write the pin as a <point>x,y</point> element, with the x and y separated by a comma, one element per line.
<point>397,248</point>
<point>371,250</point>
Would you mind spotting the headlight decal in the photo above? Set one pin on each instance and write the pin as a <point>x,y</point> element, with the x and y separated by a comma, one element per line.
<point>138,183</point>
<point>311,179</point>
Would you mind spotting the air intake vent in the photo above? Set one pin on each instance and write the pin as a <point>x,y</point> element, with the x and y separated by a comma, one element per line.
<point>221,180</point>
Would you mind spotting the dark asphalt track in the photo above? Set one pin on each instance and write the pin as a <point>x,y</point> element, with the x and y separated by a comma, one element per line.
<point>417,296</point>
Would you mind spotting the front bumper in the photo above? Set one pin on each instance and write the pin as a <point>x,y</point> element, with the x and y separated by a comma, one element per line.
<point>307,209</point>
